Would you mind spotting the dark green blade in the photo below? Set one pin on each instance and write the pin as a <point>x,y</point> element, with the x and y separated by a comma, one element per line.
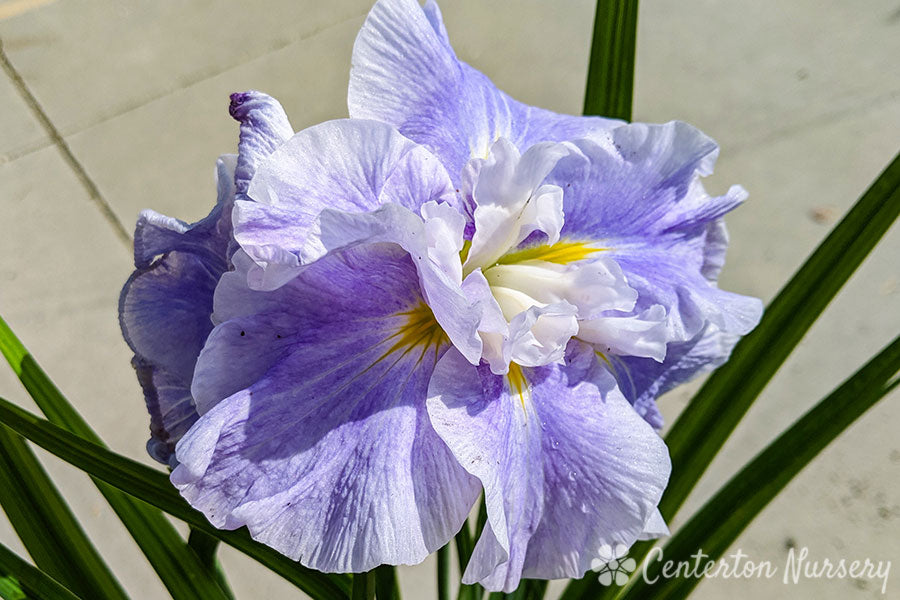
<point>443,571</point>
<point>610,78</point>
<point>363,586</point>
<point>529,589</point>
<point>386,586</point>
<point>21,581</point>
<point>153,487</point>
<point>205,547</point>
<point>177,566</point>
<point>46,525</point>
<point>721,520</point>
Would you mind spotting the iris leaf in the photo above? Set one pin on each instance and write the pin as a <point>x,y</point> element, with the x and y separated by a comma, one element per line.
<point>21,581</point>
<point>153,487</point>
<point>610,78</point>
<point>46,525</point>
<point>715,526</point>
<point>529,589</point>
<point>363,586</point>
<point>175,563</point>
<point>443,571</point>
<point>205,547</point>
<point>386,587</point>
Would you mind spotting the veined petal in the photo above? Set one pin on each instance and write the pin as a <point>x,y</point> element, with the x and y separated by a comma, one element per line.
<point>715,245</point>
<point>639,179</point>
<point>165,307</point>
<point>444,226</point>
<point>405,73</point>
<point>660,276</point>
<point>264,127</point>
<point>604,469</point>
<point>493,328</point>
<point>348,165</point>
<point>328,456</point>
<point>655,527</point>
<point>425,240</point>
<point>637,189</point>
<point>236,296</point>
<point>156,234</point>
<point>171,408</point>
<point>164,311</point>
<point>495,436</point>
<point>566,465</point>
<point>642,380</point>
<point>433,14</point>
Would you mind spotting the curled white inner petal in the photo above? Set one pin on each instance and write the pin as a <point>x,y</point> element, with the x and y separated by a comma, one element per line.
<point>538,335</point>
<point>535,296</point>
<point>510,201</point>
<point>642,335</point>
<point>443,232</point>
<point>537,293</point>
<point>592,286</point>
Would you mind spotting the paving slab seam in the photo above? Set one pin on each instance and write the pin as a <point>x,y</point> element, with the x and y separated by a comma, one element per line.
<point>18,153</point>
<point>66,152</point>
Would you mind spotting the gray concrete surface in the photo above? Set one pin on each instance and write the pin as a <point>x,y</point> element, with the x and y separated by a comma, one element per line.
<point>803,96</point>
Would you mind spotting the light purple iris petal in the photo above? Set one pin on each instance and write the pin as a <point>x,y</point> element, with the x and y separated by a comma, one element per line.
<point>715,246</point>
<point>636,190</point>
<point>605,470</point>
<point>264,127</point>
<point>661,275</point>
<point>405,73</point>
<point>642,380</point>
<point>328,456</point>
<point>655,527</point>
<point>497,439</point>
<point>157,234</point>
<point>348,165</point>
<point>457,314</point>
<point>165,307</point>
<point>164,311</point>
<point>171,409</point>
<point>640,179</point>
<point>567,466</point>
<point>492,327</point>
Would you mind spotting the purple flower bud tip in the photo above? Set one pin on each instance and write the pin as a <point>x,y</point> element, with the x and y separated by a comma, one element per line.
<point>241,103</point>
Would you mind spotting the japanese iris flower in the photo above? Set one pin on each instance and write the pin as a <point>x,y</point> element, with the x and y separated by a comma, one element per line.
<point>448,294</point>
